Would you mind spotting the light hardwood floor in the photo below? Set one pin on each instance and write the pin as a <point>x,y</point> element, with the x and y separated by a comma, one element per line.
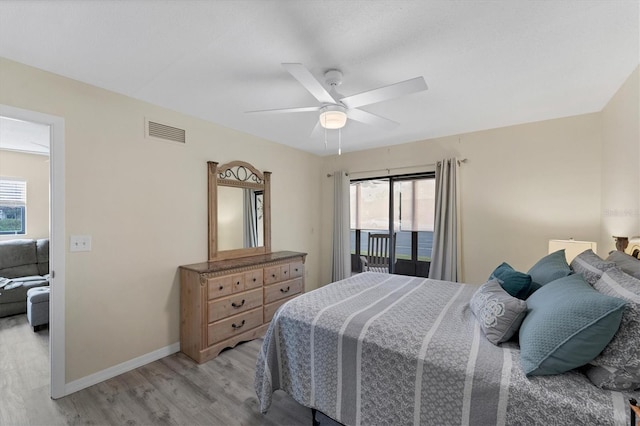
<point>170,391</point>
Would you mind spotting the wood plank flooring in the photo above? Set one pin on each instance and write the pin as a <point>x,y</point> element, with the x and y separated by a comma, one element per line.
<point>170,391</point>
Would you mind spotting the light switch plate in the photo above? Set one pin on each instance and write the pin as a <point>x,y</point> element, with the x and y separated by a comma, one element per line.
<point>80,243</point>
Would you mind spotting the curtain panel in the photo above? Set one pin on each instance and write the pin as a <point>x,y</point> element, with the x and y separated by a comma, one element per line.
<point>445,257</point>
<point>341,221</point>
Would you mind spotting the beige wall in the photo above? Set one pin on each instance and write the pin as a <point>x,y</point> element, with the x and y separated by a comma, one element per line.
<point>621,163</point>
<point>144,202</point>
<point>35,170</point>
<point>521,186</point>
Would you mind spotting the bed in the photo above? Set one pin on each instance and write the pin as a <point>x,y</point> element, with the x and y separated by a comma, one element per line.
<point>380,349</point>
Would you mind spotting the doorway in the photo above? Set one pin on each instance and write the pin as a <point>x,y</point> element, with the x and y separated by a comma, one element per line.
<point>56,240</point>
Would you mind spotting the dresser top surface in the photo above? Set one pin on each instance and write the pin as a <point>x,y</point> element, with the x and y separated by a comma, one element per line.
<point>228,264</point>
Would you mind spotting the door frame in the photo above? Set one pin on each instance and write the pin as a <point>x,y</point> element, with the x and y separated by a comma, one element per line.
<point>56,241</point>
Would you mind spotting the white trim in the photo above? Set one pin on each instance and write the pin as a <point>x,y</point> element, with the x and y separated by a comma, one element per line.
<point>56,241</point>
<point>116,370</point>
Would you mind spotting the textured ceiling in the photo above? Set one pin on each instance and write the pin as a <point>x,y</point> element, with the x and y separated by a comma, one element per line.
<point>487,63</point>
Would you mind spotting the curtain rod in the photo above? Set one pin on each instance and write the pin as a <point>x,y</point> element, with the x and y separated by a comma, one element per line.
<point>464,160</point>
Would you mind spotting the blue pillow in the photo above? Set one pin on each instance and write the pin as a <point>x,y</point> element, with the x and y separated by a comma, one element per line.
<point>534,287</point>
<point>517,284</point>
<point>568,324</point>
<point>550,268</point>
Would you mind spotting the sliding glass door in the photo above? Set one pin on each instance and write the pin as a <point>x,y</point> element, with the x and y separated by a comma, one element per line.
<point>401,207</point>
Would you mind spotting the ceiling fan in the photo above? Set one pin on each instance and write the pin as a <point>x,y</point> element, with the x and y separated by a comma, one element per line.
<point>335,109</point>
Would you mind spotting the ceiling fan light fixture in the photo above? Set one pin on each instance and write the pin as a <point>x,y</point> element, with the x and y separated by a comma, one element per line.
<point>333,117</point>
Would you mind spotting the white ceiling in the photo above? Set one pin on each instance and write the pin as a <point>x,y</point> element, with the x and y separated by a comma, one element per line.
<point>487,63</point>
<point>24,136</point>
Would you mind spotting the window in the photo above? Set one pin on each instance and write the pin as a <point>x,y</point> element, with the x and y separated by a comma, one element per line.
<point>405,204</point>
<point>13,206</point>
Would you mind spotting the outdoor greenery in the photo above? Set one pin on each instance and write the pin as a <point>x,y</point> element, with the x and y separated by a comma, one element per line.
<point>11,220</point>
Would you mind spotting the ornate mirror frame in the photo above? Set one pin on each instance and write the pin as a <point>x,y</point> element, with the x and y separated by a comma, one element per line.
<point>237,174</point>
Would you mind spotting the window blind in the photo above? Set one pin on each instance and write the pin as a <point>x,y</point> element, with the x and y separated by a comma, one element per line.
<point>13,192</point>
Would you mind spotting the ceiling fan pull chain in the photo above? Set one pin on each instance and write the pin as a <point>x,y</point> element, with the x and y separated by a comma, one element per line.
<point>339,141</point>
<point>325,135</point>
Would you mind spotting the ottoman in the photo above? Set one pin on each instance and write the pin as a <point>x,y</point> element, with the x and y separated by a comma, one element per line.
<point>38,307</point>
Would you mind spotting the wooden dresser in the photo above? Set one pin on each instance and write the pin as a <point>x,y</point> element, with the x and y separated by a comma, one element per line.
<point>225,302</point>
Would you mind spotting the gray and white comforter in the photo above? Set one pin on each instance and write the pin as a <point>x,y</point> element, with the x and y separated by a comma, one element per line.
<point>379,349</point>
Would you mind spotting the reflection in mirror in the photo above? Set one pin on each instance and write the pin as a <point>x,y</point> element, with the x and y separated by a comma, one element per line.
<point>240,218</point>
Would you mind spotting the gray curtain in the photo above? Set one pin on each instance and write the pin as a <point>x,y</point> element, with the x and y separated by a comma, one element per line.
<point>445,257</point>
<point>341,236</point>
<point>249,220</point>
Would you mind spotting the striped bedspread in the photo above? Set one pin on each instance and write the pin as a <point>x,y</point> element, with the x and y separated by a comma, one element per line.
<point>379,349</point>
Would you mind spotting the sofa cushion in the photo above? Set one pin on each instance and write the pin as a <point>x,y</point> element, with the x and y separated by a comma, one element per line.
<point>42,255</point>
<point>20,271</point>
<point>18,258</point>
<point>38,294</point>
<point>17,292</point>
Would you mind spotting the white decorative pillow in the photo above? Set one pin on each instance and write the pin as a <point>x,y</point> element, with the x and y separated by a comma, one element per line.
<point>498,313</point>
<point>623,352</point>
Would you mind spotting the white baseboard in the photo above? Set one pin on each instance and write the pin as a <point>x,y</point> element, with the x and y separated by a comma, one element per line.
<point>116,370</point>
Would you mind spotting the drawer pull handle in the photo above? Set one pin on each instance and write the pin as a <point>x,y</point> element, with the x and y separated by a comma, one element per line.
<point>235,305</point>
<point>285,290</point>
<point>234,325</point>
<point>296,269</point>
<point>238,283</point>
<point>254,280</point>
<point>273,275</point>
<point>221,287</point>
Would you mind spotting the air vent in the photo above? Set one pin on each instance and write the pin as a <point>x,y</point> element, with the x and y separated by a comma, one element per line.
<point>168,133</point>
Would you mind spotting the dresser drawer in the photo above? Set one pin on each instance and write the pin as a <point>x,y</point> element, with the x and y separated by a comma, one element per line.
<point>229,327</point>
<point>219,286</point>
<point>284,272</point>
<point>272,274</point>
<point>296,269</point>
<point>234,304</point>
<point>223,286</point>
<point>282,290</point>
<point>253,279</point>
<point>271,308</point>
<point>237,282</point>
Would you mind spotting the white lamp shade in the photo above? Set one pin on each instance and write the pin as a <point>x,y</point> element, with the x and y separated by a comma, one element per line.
<point>572,248</point>
<point>333,117</point>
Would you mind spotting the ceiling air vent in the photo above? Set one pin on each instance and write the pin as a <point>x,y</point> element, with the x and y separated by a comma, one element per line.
<point>167,133</point>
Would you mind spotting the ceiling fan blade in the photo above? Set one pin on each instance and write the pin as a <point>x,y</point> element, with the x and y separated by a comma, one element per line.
<point>304,76</point>
<point>282,110</point>
<point>369,118</point>
<point>385,93</point>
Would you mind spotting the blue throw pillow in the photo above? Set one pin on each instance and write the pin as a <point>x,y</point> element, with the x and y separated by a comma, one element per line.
<point>568,324</point>
<point>517,284</point>
<point>550,268</point>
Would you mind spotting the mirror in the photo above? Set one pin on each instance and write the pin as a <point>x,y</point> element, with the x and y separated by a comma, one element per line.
<point>240,218</point>
<point>239,210</point>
